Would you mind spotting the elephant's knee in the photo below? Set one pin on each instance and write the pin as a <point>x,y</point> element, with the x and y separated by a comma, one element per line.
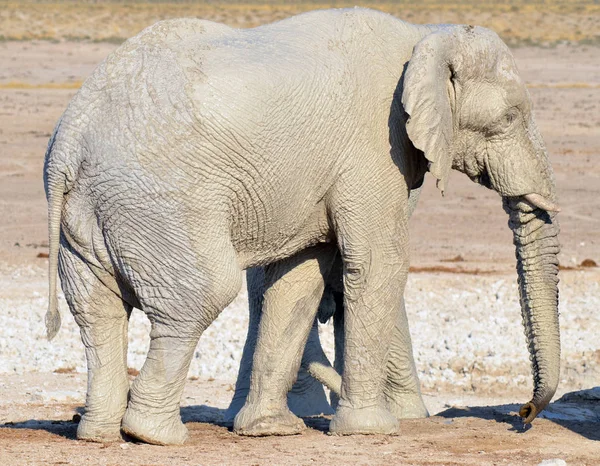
<point>223,289</point>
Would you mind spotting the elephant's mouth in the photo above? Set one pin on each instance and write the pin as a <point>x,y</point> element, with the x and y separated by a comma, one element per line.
<point>483,179</point>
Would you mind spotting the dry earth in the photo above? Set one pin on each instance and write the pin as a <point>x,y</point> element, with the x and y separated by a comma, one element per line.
<point>42,432</point>
<point>464,312</point>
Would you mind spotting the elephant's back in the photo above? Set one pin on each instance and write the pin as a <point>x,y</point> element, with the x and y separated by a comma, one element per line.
<point>186,97</point>
<point>195,75</point>
<point>156,65</point>
<point>152,66</point>
<point>330,39</point>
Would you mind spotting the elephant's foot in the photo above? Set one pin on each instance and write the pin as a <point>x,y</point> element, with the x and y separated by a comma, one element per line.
<point>96,431</point>
<point>374,420</point>
<point>158,429</point>
<point>256,421</point>
<point>409,406</point>
<point>307,397</point>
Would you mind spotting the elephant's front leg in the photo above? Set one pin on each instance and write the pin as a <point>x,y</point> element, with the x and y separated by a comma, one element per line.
<point>402,389</point>
<point>372,234</point>
<point>293,291</point>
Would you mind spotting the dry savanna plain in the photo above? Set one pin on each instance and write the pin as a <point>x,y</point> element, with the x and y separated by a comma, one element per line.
<point>462,298</point>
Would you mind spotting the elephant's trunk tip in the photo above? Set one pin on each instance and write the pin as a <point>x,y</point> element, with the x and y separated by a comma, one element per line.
<point>528,412</point>
<point>531,410</point>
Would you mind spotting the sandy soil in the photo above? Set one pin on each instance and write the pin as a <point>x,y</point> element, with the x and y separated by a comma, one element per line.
<point>42,431</point>
<point>37,79</point>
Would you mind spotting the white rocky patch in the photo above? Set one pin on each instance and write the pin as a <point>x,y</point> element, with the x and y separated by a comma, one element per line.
<point>466,331</point>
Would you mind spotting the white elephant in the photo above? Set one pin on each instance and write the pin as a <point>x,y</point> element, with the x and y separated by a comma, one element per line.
<point>196,151</point>
<point>307,398</point>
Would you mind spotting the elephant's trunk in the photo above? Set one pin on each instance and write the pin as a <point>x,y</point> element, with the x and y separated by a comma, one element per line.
<point>536,241</point>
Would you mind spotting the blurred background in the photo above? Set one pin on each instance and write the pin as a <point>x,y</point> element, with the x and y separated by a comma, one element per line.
<point>518,22</point>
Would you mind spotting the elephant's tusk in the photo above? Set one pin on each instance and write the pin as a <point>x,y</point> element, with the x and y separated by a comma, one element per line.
<point>541,202</point>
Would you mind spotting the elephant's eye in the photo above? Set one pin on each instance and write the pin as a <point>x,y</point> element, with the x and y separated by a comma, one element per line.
<point>501,125</point>
<point>510,116</point>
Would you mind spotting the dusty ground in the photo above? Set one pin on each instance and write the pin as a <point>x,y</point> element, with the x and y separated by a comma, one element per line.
<point>42,431</point>
<point>37,79</point>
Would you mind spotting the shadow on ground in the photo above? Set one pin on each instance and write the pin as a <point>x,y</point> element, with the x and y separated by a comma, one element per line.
<point>577,411</point>
<point>210,415</point>
<point>200,414</point>
<point>63,428</point>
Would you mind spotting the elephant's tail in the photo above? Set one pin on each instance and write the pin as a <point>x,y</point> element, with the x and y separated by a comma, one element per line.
<point>56,185</point>
<point>55,201</point>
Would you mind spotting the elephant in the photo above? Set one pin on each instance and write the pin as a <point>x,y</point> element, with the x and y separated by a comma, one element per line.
<point>307,397</point>
<point>196,151</point>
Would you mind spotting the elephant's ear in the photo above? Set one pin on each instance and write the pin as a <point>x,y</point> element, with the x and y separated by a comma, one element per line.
<point>427,92</point>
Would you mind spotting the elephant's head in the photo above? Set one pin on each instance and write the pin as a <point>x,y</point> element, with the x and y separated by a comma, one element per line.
<point>468,109</point>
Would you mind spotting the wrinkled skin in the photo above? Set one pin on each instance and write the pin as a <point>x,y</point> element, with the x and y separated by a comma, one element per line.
<point>196,151</point>
<point>307,397</point>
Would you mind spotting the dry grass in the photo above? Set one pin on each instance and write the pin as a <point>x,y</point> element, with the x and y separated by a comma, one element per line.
<point>518,22</point>
<point>24,85</point>
<point>65,370</point>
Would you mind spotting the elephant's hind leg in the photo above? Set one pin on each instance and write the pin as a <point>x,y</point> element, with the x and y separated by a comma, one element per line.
<point>102,317</point>
<point>292,295</point>
<point>307,397</point>
<point>178,316</point>
<point>153,413</point>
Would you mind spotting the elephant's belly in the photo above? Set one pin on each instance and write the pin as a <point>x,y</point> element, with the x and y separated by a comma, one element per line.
<point>281,236</point>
